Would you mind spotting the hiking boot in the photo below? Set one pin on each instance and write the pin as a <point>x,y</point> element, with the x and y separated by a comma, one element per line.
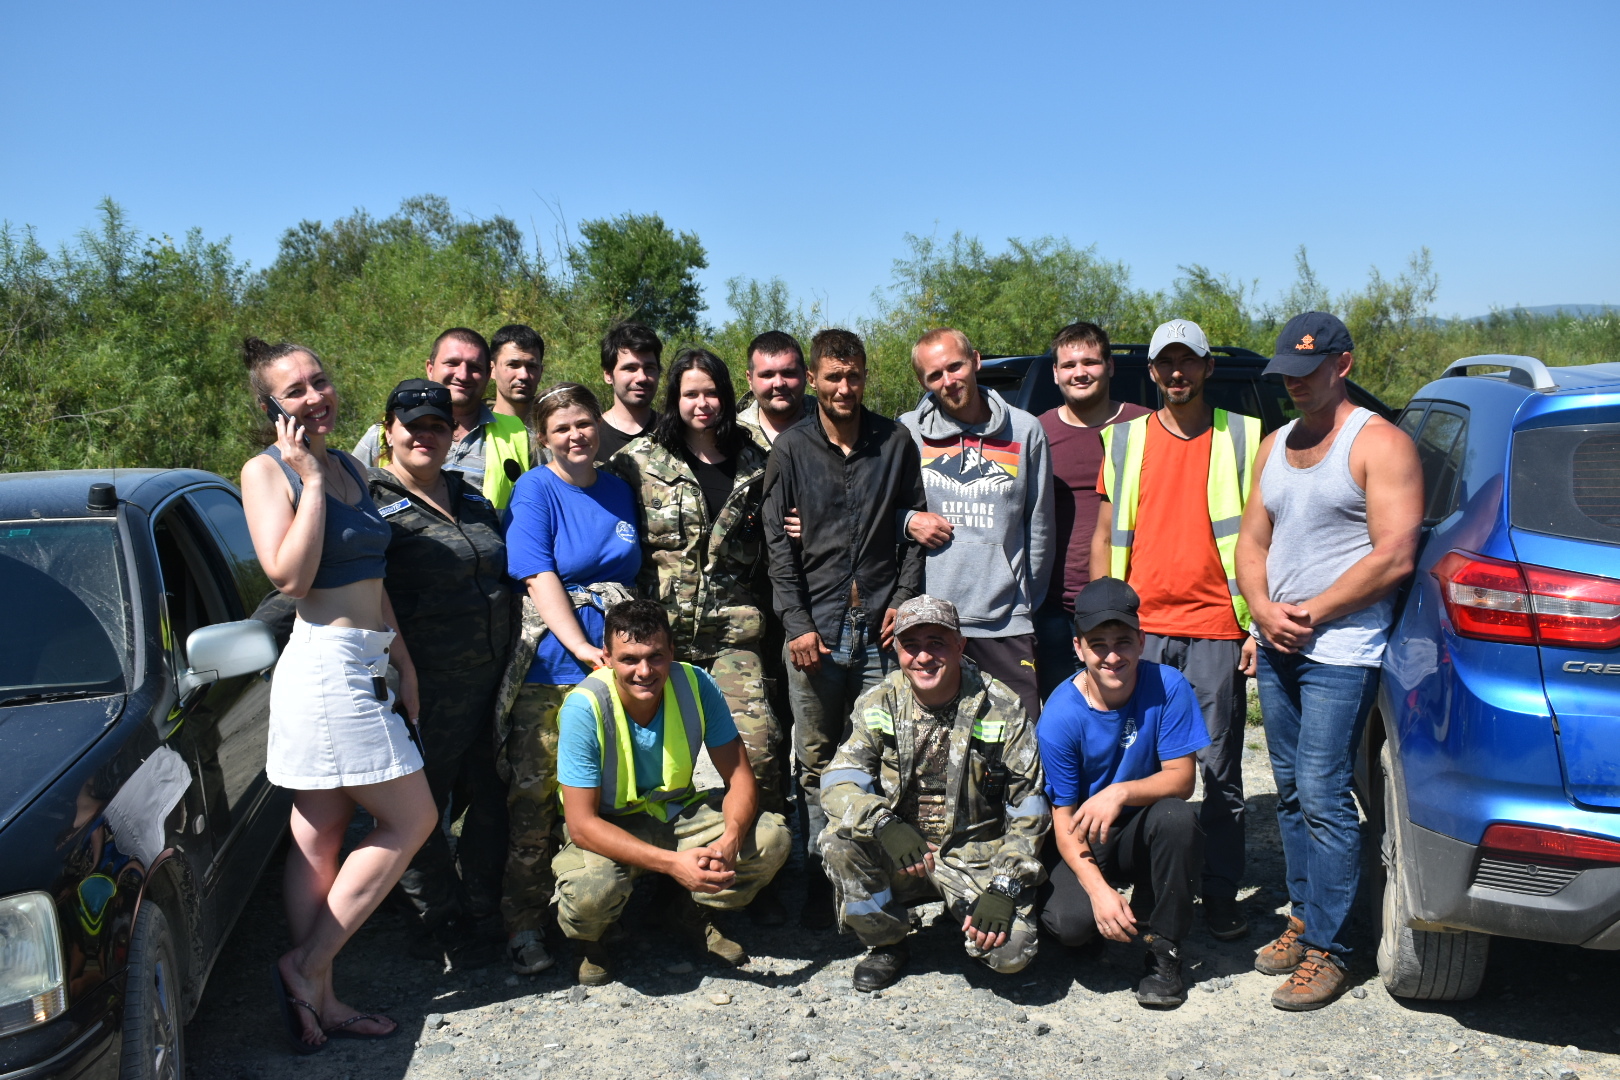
<point>881,967</point>
<point>1316,981</point>
<point>594,968</point>
<point>820,909</point>
<point>1162,984</point>
<point>1283,955</point>
<point>1225,918</point>
<point>697,925</point>
<point>527,951</point>
<point>766,908</point>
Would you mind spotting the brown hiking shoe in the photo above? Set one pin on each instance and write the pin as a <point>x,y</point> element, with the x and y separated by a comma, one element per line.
<point>1313,984</point>
<point>594,968</point>
<point>1282,956</point>
<point>697,924</point>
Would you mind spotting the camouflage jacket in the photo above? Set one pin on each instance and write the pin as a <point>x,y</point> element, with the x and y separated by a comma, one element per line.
<point>868,775</point>
<point>446,578</point>
<point>707,575</point>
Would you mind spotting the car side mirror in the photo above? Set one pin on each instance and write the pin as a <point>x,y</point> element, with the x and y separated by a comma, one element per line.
<point>226,650</point>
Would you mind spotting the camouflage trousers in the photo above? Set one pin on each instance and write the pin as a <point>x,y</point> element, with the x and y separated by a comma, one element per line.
<point>740,675</point>
<point>532,807</point>
<point>873,897</point>
<point>592,889</point>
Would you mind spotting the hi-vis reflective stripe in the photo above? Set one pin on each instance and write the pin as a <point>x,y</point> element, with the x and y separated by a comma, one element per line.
<point>617,793</point>
<point>990,730</point>
<point>879,721</point>
<point>1234,442</point>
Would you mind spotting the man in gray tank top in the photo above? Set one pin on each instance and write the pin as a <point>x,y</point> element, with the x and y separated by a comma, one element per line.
<point>1330,531</point>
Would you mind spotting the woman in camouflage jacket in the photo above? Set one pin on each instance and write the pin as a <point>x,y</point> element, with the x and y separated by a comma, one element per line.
<point>699,482</point>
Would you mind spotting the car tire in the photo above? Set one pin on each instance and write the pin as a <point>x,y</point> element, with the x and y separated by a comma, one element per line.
<point>154,1030</point>
<point>1427,965</point>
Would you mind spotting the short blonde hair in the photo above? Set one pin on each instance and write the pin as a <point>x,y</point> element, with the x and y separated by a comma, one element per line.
<point>939,334</point>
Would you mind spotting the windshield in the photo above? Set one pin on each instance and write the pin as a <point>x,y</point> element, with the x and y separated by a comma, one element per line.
<point>66,631</point>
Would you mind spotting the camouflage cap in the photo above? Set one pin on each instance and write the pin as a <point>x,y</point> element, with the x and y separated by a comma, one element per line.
<point>926,611</point>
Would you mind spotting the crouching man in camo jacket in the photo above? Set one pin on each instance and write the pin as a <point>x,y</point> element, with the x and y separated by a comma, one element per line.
<point>936,795</point>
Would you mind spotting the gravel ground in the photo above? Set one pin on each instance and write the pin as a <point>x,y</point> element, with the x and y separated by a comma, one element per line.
<point>1545,1011</point>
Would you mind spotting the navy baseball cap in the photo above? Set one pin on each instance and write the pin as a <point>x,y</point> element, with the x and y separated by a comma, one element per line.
<point>1105,600</point>
<point>1306,341</point>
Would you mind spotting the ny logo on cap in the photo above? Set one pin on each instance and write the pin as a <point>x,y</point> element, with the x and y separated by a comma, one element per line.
<point>1306,343</point>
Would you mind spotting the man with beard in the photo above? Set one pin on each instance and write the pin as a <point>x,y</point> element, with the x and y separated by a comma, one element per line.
<point>460,360</point>
<point>1175,483</point>
<point>632,357</point>
<point>851,474</point>
<point>777,377</point>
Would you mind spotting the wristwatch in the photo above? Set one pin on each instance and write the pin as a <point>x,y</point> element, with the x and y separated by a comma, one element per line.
<point>1006,885</point>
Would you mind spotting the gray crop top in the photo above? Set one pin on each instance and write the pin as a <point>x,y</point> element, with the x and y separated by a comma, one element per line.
<point>356,538</point>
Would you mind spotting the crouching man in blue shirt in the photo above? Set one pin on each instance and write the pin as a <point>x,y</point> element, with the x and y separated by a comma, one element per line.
<point>629,736</point>
<point>1117,742</point>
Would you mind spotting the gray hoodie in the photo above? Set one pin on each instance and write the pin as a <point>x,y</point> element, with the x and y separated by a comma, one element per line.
<point>993,483</point>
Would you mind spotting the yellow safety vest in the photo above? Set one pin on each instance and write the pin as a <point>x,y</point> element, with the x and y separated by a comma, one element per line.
<point>684,725</point>
<point>506,438</point>
<point>1232,451</point>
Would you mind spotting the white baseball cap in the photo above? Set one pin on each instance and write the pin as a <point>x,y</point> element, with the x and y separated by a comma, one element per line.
<point>1184,331</point>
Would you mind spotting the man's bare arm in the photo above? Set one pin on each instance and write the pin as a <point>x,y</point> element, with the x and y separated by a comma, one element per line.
<point>741,804</point>
<point>1285,626</point>
<point>591,831</point>
<point>1385,463</point>
<point>1102,539</point>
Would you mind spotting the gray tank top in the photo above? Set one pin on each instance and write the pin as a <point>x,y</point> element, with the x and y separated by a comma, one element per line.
<point>1318,531</point>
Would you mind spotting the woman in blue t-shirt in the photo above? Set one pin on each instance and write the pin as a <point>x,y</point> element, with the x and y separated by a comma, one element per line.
<point>571,540</point>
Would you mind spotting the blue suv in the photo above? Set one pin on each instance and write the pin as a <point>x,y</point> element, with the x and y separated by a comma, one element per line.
<point>1492,763</point>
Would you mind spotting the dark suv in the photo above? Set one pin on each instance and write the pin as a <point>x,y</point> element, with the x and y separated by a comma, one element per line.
<point>1237,385</point>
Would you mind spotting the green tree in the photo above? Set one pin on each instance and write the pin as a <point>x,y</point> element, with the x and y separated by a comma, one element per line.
<point>636,267</point>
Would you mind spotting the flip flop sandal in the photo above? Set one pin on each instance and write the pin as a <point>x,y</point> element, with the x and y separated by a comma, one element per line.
<point>289,1019</point>
<point>341,1031</point>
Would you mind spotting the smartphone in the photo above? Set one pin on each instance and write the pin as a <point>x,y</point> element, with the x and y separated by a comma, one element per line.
<point>273,409</point>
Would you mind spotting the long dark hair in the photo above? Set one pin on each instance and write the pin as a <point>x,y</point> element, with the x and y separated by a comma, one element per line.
<point>671,432</point>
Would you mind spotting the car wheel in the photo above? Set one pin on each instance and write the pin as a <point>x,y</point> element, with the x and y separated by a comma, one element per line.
<point>1425,964</point>
<point>154,1041</point>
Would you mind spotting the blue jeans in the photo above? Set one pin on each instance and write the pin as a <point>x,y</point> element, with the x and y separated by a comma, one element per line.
<point>821,704</point>
<point>1314,714</point>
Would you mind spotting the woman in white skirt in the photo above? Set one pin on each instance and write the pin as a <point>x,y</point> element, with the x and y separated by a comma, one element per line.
<point>335,737</point>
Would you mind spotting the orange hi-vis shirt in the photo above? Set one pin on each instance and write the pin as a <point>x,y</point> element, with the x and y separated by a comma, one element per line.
<point>1175,568</point>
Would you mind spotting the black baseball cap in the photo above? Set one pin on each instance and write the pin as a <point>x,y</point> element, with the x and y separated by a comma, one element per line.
<point>1306,341</point>
<point>1105,600</point>
<point>415,398</point>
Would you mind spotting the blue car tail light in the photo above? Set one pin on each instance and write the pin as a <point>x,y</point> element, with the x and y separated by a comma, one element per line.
<point>1495,600</point>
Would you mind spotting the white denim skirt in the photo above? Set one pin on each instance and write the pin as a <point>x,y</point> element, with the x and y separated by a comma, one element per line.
<point>328,728</point>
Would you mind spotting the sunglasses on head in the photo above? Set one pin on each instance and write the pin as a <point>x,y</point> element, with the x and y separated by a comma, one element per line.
<point>410,399</point>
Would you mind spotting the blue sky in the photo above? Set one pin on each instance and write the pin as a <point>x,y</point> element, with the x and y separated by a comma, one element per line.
<point>804,140</point>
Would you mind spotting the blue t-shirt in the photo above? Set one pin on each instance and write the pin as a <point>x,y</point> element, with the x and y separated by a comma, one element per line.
<point>583,535</point>
<point>1083,750</point>
<point>579,755</point>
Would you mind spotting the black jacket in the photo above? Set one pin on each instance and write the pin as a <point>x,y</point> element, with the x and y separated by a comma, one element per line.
<point>447,579</point>
<point>847,507</point>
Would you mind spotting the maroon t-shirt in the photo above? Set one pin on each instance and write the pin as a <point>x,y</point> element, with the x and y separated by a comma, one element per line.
<point>1077,454</point>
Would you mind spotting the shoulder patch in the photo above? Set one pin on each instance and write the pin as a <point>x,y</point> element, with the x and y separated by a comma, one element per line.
<point>879,720</point>
<point>393,508</point>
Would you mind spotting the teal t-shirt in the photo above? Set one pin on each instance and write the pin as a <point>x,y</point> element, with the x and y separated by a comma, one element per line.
<point>579,755</point>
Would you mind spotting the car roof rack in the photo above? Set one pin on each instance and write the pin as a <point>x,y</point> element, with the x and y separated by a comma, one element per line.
<point>1523,370</point>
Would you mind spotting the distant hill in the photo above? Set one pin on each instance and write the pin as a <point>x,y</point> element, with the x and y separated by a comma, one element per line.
<point>1549,310</point>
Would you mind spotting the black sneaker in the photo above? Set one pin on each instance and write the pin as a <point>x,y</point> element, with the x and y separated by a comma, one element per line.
<point>1162,986</point>
<point>881,967</point>
<point>1225,918</point>
<point>820,909</point>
